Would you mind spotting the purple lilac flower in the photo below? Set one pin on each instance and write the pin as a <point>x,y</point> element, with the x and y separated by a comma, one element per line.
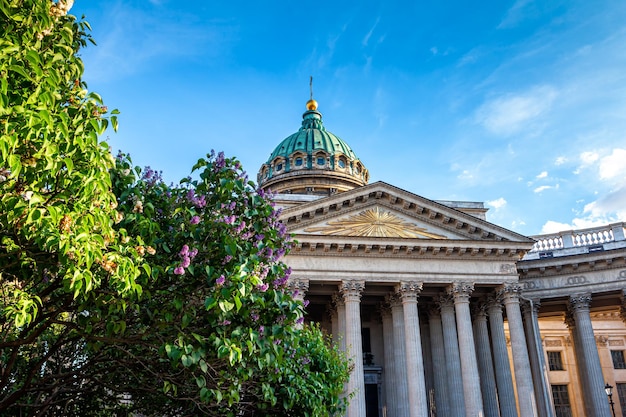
<point>184,251</point>
<point>306,303</point>
<point>261,329</point>
<point>306,361</point>
<point>193,253</point>
<point>240,226</point>
<point>262,287</point>
<point>195,220</point>
<point>229,219</point>
<point>220,161</point>
<point>254,316</point>
<point>278,341</point>
<point>186,262</point>
<point>179,270</point>
<point>220,281</point>
<point>225,322</point>
<point>227,259</point>
<point>300,320</point>
<point>190,195</point>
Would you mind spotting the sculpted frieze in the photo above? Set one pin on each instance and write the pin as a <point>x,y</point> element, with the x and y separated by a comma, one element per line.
<point>373,222</point>
<point>575,280</point>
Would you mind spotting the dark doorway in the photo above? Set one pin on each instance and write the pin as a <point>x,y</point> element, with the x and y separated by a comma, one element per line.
<point>371,400</point>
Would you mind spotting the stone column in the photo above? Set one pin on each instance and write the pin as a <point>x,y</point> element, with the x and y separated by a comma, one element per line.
<point>622,309</point>
<point>298,288</point>
<point>467,349</point>
<point>530,310</point>
<point>340,307</point>
<point>438,352</point>
<point>331,310</point>
<point>582,377</point>
<point>579,306</point>
<point>428,360</point>
<point>351,293</point>
<point>453,358</point>
<point>485,362</point>
<point>521,362</point>
<point>399,355</point>
<point>504,379</point>
<point>391,401</point>
<point>418,405</point>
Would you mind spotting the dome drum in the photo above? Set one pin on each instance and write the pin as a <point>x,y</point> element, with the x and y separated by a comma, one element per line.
<point>312,159</point>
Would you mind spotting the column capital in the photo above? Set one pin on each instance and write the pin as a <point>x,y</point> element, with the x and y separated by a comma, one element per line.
<point>479,310</point>
<point>461,291</point>
<point>351,290</point>
<point>531,307</point>
<point>337,300</point>
<point>444,301</point>
<point>409,291</point>
<point>494,301</point>
<point>579,302</point>
<point>510,292</point>
<point>384,309</point>
<point>569,319</point>
<point>433,310</point>
<point>298,287</point>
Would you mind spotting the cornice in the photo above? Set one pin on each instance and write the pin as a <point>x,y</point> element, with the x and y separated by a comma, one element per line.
<point>314,245</point>
<point>561,266</point>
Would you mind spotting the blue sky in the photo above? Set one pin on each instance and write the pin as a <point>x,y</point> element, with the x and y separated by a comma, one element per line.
<point>519,104</point>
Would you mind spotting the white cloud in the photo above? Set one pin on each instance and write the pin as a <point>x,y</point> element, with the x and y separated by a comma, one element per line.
<point>544,174</point>
<point>614,165</point>
<point>588,158</point>
<point>512,113</point>
<point>514,15</point>
<point>610,208</point>
<point>497,204</point>
<point>542,188</point>
<point>560,160</point>
<point>368,35</point>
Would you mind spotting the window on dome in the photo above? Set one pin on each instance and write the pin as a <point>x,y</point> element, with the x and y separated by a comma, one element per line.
<point>321,160</point>
<point>358,169</point>
<point>341,163</point>
<point>298,162</point>
<point>279,167</point>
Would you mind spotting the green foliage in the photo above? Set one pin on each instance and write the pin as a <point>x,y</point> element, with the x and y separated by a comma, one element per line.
<point>217,308</point>
<point>119,293</point>
<point>59,251</point>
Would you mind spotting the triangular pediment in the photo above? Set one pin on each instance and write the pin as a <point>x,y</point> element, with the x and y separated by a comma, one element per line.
<point>382,211</point>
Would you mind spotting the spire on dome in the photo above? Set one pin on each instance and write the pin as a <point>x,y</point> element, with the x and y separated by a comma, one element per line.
<point>311,105</point>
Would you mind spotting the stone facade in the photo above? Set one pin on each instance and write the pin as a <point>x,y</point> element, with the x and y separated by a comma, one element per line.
<point>446,314</point>
<point>442,312</point>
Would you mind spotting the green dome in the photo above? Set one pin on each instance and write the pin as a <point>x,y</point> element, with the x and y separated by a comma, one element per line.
<point>311,137</point>
<point>312,160</point>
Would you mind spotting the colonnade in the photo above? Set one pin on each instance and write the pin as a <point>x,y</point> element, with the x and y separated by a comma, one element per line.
<point>467,348</point>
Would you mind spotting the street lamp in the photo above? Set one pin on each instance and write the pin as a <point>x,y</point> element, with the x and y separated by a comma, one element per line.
<point>609,393</point>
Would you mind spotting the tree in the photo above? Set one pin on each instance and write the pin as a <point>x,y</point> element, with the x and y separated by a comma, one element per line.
<point>119,293</point>
<point>59,251</point>
<point>218,330</point>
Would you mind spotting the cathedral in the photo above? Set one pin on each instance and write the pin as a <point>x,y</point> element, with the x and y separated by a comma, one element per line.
<point>442,312</point>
